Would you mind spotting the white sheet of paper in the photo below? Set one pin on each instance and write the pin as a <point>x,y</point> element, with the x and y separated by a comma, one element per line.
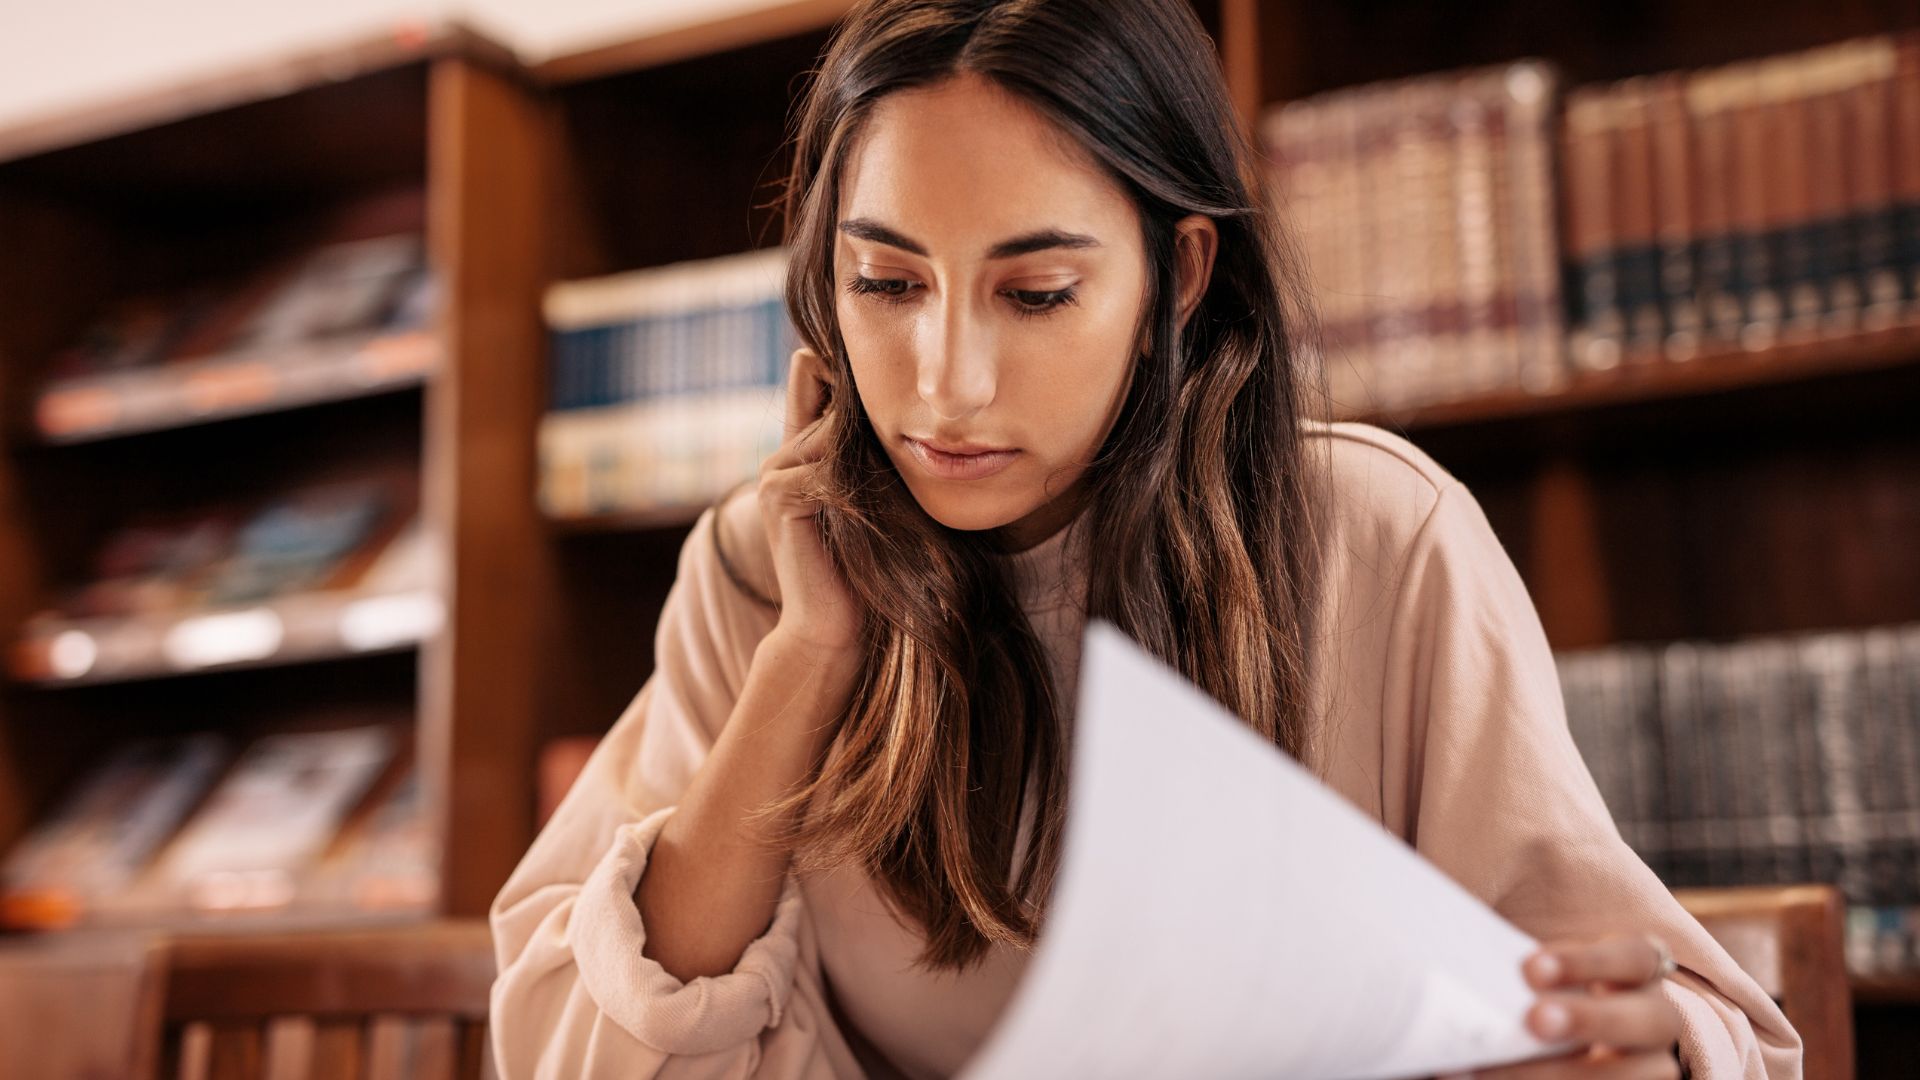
<point>1220,912</point>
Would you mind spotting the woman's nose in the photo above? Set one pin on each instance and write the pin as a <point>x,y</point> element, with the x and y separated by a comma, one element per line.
<point>957,374</point>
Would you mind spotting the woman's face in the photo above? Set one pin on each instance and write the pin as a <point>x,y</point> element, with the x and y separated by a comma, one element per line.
<point>990,282</point>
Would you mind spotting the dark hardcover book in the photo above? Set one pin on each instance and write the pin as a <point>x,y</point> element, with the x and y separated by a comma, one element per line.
<point>345,287</point>
<point>302,541</point>
<point>1871,209</point>
<point>1835,265</point>
<point>1817,808</point>
<point>1756,266</point>
<point>1716,769</point>
<point>1636,252</point>
<point>1905,144</point>
<point>1890,834</point>
<point>1715,281</point>
<point>1591,237</point>
<point>102,835</point>
<point>1675,226</point>
<point>156,563</point>
<point>273,813</point>
<point>130,332</point>
<point>1784,83</point>
<point>1636,685</point>
<point>1773,732</point>
<point>1681,742</point>
<point>1744,763</point>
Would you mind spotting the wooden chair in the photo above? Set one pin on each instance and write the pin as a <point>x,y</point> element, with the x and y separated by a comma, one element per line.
<point>392,1002</point>
<point>1792,940</point>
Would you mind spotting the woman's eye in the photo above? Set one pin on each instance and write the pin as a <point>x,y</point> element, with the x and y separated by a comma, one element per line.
<point>882,289</point>
<point>1030,302</point>
<point>1026,302</point>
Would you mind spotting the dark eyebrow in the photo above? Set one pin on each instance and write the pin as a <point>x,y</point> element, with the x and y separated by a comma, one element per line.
<point>1042,240</point>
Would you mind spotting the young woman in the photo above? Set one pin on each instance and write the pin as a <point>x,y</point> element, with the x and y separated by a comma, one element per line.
<point>1053,371</point>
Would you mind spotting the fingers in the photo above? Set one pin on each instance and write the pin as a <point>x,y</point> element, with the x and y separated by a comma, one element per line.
<point>1639,1020</point>
<point>1652,1065</point>
<point>1623,960</point>
<point>806,390</point>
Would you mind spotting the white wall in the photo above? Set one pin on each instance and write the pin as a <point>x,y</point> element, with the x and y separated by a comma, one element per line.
<point>61,54</point>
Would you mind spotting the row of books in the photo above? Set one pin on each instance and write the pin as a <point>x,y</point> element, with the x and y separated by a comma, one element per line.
<point>667,385</point>
<point>685,328</point>
<point>1883,940</point>
<point>197,588</point>
<point>337,288</point>
<point>339,319</point>
<point>182,825</point>
<point>1488,230</point>
<point>671,453</point>
<point>1762,761</point>
<point>1423,210</point>
<point>1743,205</point>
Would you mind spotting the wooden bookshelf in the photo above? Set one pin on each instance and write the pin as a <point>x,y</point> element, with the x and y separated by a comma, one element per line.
<point>1736,493</point>
<point>428,128</point>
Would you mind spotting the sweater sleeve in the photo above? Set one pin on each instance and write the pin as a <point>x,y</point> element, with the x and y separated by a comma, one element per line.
<point>1501,801</point>
<point>575,996</point>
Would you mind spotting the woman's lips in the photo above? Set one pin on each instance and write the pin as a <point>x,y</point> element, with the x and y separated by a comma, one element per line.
<point>960,466</point>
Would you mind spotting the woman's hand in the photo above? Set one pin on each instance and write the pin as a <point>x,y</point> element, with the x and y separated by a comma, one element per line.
<point>816,609</point>
<point>1606,996</point>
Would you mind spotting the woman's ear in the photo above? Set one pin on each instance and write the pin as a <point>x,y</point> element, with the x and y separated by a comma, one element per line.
<point>1196,238</point>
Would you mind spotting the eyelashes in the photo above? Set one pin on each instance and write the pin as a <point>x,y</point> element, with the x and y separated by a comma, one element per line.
<point>1028,303</point>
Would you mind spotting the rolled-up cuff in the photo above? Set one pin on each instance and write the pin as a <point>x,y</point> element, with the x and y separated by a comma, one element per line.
<point>710,1012</point>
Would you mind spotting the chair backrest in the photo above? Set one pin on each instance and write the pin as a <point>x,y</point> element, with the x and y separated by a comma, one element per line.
<point>1792,940</point>
<point>368,1004</point>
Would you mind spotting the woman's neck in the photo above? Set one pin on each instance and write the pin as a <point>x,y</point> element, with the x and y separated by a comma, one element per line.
<point>1043,523</point>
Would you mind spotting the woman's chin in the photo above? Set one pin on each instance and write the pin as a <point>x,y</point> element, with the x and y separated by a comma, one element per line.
<point>967,512</point>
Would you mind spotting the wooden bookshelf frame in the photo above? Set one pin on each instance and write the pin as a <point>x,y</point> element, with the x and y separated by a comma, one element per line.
<point>435,108</point>
<point>549,625</point>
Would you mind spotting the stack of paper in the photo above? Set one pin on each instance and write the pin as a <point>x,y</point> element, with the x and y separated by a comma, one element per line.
<point>1221,913</point>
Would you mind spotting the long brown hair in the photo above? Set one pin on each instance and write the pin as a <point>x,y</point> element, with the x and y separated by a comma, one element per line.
<point>1201,494</point>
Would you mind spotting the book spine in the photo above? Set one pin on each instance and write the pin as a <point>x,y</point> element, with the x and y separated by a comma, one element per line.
<point>1834,660</point>
<point>1715,280</point>
<point>1355,229</point>
<point>1784,87</point>
<point>1676,234</point>
<point>1440,224</point>
<point>1871,212</point>
<point>1484,364</point>
<point>1755,251</point>
<point>1905,109</point>
<point>1385,228</point>
<point>1834,263</point>
<point>1532,109</point>
<point>1588,221</point>
<point>1636,254</point>
<point>1680,738</point>
<point>1717,770</point>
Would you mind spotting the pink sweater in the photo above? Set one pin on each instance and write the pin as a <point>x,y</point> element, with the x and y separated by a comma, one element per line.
<point>1444,722</point>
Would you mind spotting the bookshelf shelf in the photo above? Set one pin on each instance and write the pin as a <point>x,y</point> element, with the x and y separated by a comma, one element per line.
<point>1654,380</point>
<point>1886,989</point>
<point>221,387</point>
<point>300,628</point>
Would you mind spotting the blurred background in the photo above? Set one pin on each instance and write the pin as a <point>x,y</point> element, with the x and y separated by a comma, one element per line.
<point>363,366</point>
